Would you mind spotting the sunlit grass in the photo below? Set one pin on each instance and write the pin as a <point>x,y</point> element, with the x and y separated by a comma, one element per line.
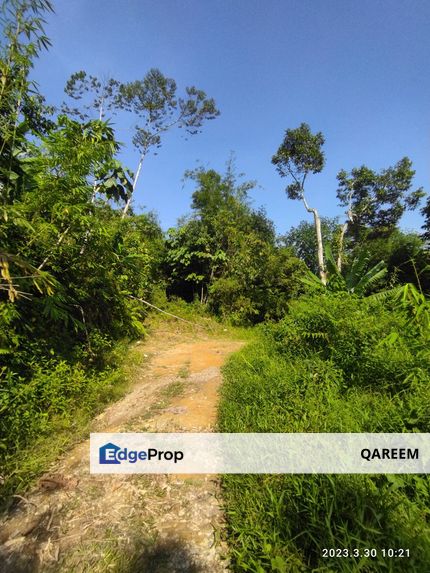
<point>281,523</point>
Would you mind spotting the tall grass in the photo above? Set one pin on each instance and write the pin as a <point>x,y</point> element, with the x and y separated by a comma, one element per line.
<point>328,367</point>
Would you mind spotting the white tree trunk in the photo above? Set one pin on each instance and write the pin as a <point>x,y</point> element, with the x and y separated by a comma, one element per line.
<point>136,177</point>
<point>321,262</point>
<point>344,228</point>
<point>341,240</point>
<point>320,248</point>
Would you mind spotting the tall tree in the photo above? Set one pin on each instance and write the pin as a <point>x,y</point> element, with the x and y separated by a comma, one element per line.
<point>376,201</point>
<point>299,155</point>
<point>155,102</point>
<point>201,249</point>
<point>93,94</point>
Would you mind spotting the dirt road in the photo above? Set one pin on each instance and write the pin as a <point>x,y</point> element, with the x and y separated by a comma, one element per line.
<point>74,522</point>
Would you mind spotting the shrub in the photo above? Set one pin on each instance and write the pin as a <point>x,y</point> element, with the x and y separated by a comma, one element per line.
<point>57,396</point>
<point>350,333</point>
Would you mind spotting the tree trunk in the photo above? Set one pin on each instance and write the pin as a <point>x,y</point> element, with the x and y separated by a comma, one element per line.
<point>136,177</point>
<point>341,239</point>
<point>320,247</point>
<point>342,235</point>
<point>321,263</point>
<point>349,220</point>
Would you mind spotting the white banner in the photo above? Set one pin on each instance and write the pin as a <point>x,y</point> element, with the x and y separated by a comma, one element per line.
<point>210,453</point>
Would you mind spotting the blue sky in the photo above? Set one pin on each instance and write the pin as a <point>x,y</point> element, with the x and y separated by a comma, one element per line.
<point>357,71</point>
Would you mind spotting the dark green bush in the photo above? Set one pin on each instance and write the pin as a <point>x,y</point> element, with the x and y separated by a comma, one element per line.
<point>350,333</point>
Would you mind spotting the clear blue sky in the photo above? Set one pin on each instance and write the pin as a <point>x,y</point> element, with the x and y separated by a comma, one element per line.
<point>356,70</point>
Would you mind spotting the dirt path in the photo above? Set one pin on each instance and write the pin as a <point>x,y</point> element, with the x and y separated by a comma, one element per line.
<point>75,522</point>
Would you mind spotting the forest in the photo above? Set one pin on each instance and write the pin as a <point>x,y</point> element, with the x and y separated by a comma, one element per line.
<point>337,310</point>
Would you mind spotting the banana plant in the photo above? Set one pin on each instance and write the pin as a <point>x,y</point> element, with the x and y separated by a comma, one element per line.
<point>357,280</point>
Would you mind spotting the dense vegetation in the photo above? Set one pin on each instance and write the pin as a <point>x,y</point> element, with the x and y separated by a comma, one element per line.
<point>225,254</point>
<point>339,308</point>
<point>336,363</point>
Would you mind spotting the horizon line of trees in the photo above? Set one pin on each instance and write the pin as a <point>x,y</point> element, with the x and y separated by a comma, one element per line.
<point>64,192</point>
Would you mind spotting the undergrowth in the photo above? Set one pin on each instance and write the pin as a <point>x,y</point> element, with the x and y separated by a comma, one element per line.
<point>334,364</point>
<point>41,416</point>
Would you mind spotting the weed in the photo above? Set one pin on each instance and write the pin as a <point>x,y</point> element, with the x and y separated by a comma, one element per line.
<point>45,415</point>
<point>184,372</point>
<point>173,389</point>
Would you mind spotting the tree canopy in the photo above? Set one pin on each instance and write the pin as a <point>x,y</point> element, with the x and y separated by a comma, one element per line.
<point>377,200</point>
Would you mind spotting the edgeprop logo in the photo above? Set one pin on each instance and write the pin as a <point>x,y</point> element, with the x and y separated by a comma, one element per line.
<point>112,454</point>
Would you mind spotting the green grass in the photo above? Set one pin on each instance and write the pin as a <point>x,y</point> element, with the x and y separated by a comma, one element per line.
<point>173,390</point>
<point>290,381</point>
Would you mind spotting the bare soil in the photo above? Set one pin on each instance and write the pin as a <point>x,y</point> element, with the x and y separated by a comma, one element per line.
<point>77,522</point>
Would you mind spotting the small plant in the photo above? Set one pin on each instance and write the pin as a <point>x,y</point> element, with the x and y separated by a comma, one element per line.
<point>184,371</point>
<point>174,389</point>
